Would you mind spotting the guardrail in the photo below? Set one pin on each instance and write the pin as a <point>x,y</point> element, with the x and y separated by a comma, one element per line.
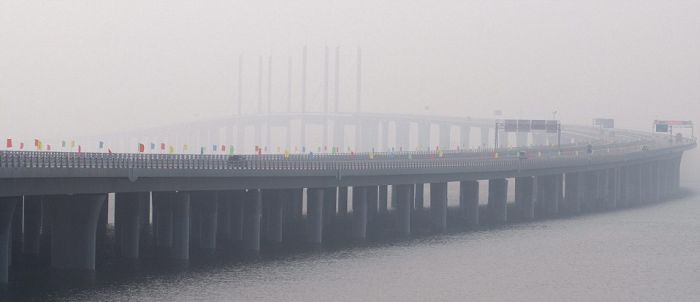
<point>479,158</point>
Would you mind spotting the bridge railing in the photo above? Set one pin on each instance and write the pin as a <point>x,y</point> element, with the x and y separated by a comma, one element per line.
<point>478,159</point>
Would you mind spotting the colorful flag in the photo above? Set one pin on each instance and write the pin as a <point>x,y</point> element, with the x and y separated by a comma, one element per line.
<point>185,147</point>
<point>9,143</point>
<point>153,146</point>
<point>21,146</point>
<point>201,150</point>
<point>213,148</point>
<point>230,149</point>
<point>142,148</point>
<point>80,149</point>
<point>36,142</point>
<point>223,148</point>
<point>171,150</point>
<point>72,144</point>
<point>162,146</point>
<point>48,147</point>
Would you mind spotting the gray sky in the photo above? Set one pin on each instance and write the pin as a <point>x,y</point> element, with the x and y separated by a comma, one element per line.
<point>85,67</point>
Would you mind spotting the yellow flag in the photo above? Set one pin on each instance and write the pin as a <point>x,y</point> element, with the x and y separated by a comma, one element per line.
<point>185,147</point>
<point>171,150</point>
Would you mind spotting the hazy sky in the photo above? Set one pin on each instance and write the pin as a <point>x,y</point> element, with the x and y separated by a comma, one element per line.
<point>85,67</point>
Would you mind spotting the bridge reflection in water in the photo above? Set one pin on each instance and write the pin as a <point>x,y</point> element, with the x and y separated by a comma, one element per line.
<point>54,204</point>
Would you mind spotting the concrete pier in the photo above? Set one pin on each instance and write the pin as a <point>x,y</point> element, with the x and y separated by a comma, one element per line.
<point>469,201</point>
<point>237,217</point>
<point>127,223</point>
<point>418,196</point>
<point>342,201</point>
<point>372,203</point>
<point>314,215</point>
<point>275,219</point>
<point>32,225</point>
<point>252,215</point>
<point>73,230</point>
<point>404,209</point>
<point>497,204</point>
<point>525,197</point>
<point>550,194</point>
<point>359,213</point>
<point>163,213</point>
<point>180,249</point>
<point>572,186</point>
<point>208,219</point>
<point>438,206</point>
<point>330,205</point>
<point>223,219</point>
<point>383,199</point>
<point>7,208</point>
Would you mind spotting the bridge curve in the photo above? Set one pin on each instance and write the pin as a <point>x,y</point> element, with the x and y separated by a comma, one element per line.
<point>262,197</point>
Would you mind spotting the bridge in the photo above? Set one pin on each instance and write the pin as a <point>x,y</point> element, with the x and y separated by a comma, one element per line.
<point>55,203</point>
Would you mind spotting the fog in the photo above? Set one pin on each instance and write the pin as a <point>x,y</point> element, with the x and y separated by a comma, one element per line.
<point>87,67</point>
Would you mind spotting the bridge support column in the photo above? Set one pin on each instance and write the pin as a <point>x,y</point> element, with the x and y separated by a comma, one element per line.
<point>275,219</point>
<point>549,185</point>
<point>438,206</point>
<point>464,132</point>
<point>7,208</point>
<point>252,214</point>
<point>419,197</point>
<point>181,226</point>
<point>383,199</point>
<point>342,201</point>
<point>208,220</point>
<point>330,205</point>
<point>572,188</point>
<point>372,204</point>
<point>223,219</point>
<point>32,225</point>
<point>163,213</point>
<point>654,182</point>
<point>498,190</point>
<point>127,220</point>
<point>237,200</point>
<point>73,231</point>
<point>404,208</point>
<point>16,229</point>
<point>524,197</point>
<point>314,215</point>
<point>469,201</point>
<point>613,194</point>
<point>445,136</point>
<point>359,213</point>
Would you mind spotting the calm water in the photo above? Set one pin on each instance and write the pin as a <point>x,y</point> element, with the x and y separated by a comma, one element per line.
<point>642,254</point>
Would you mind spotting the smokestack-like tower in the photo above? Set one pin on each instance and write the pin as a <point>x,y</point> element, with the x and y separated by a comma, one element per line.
<point>240,84</point>
<point>337,78</point>
<point>303,80</point>
<point>269,84</point>
<point>260,83</point>
<point>359,78</point>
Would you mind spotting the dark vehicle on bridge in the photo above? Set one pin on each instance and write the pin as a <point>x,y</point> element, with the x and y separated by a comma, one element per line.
<point>236,161</point>
<point>522,155</point>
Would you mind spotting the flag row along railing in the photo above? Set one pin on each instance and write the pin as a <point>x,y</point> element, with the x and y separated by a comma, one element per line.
<point>406,160</point>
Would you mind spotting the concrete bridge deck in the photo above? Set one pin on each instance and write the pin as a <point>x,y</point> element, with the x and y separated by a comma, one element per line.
<point>211,201</point>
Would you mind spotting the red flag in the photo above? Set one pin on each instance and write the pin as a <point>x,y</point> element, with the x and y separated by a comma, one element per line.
<point>223,148</point>
<point>162,146</point>
<point>36,142</point>
<point>48,147</point>
<point>142,148</point>
<point>9,143</point>
<point>21,146</point>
